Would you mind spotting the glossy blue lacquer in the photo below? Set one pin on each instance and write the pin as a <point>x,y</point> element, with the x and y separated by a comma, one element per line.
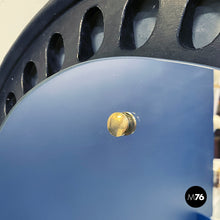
<point>59,162</point>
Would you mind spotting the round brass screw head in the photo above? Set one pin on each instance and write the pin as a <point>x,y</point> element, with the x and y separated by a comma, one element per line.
<point>121,124</point>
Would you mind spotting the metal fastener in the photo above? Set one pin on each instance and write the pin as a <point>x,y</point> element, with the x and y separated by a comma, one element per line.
<point>121,124</point>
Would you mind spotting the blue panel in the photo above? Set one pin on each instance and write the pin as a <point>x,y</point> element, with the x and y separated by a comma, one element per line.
<point>202,217</point>
<point>58,161</point>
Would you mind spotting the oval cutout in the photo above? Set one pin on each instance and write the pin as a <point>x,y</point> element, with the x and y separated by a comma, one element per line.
<point>29,76</point>
<point>201,23</point>
<point>91,33</point>
<point>10,102</point>
<point>55,54</point>
<point>138,23</point>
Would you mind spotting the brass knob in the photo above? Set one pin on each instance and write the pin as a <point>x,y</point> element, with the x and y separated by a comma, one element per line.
<point>121,124</point>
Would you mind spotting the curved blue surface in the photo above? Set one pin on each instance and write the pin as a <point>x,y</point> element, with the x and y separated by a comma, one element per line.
<point>58,161</point>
